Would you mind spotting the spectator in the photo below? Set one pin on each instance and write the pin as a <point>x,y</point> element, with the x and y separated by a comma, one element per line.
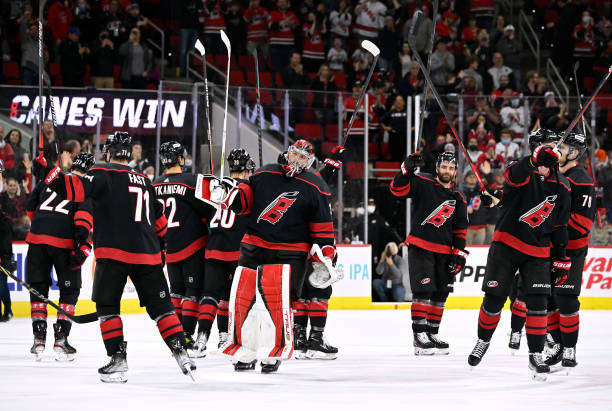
<point>442,64</point>
<point>394,126</point>
<point>295,78</point>
<point>389,42</point>
<point>73,59</point>
<point>355,141</point>
<point>472,71</point>
<point>87,146</point>
<point>483,11</point>
<point>257,17</point>
<point>476,231</point>
<point>553,115</point>
<point>337,56</point>
<point>7,155</point>
<point>84,20</point>
<point>443,126</point>
<point>423,31</point>
<point>136,62</point>
<point>499,70</point>
<point>102,62</point>
<point>29,50</point>
<point>313,54</point>
<point>339,24</point>
<point>112,20</point>
<point>530,89</point>
<point>138,160</point>
<point>134,18</point>
<point>507,148</point>
<point>510,47</point>
<point>513,115</point>
<point>483,52</point>
<point>491,118</point>
<point>13,202</point>
<point>604,177</point>
<point>390,286</point>
<point>282,40</point>
<point>189,24</point>
<point>324,100</point>
<point>148,170</point>
<point>473,150</point>
<point>492,213</point>
<point>369,19</point>
<point>446,26</point>
<point>504,84</point>
<point>601,235</point>
<point>498,30</point>
<point>60,20</point>
<point>214,22</point>
<point>412,83</point>
<point>489,160</point>
<point>13,138</point>
<point>470,33</point>
<point>585,37</point>
<point>403,61</point>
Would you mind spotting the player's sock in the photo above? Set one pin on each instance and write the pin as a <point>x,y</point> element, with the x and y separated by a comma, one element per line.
<point>207,313</point>
<point>519,313</point>
<point>170,328</point>
<point>63,320</point>
<point>177,302</point>
<point>435,309</point>
<point>418,312</point>
<point>552,325</point>
<point>487,323</point>
<point>38,311</point>
<point>317,312</point>
<point>300,313</point>
<point>190,309</point>
<point>222,314</point>
<point>569,325</point>
<point>535,327</point>
<point>112,333</point>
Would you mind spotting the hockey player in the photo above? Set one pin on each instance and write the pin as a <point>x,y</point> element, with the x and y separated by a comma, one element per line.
<point>222,252</point>
<point>129,226</point>
<point>186,236</point>
<point>58,238</point>
<point>535,212</point>
<point>436,244</point>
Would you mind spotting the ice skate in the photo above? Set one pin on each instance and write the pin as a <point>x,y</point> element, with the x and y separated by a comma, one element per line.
<point>179,353</point>
<point>270,366</point>
<point>244,366</point>
<point>300,343</point>
<point>554,355</point>
<point>199,347</point>
<point>539,369</point>
<point>478,352</point>
<point>114,371</point>
<point>63,350</point>
<point>440,346</point>
<point>423,345</point>
<point>569,359</point>
<point>515,341</point>
<point>40,338</point>
<point>550,341</point>
<point>223,336</point>
<point>319,348</point>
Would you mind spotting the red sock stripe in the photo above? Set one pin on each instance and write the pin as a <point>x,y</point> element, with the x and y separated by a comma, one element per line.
<point>434,313</point>
<point>299,308</point>
<point>111,328</point>
<point>207,312</point>
<point>519,308</point>
<point>569,323</point>
<point>223,305</point>
<point>38,311</point>
<point>178,308</point>
<point>488,322</point>
<point>222,313</point>
<point>418,310</point>
<point>169,325</point>
<point>190,308</point>
<point>317,309</point>
<point>69,308</point>
<point>535,324</point>
<point>552,322</point>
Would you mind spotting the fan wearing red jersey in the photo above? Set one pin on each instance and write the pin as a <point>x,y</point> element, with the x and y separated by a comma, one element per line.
<point>436,244</point>
<point>58,238</point>
<point>130,224</point>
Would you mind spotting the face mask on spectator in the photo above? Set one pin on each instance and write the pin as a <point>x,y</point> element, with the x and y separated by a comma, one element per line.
<point>515,102</point>
<point>505,141</point>
<point>360,210</point>
<point>371,209</point>
<point>2,143</point>
<point>473,147</point>
<point>188,162</point>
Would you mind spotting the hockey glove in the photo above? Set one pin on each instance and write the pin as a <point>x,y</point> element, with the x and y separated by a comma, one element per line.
<point>457,262</point>
<point>79,255</point>
<point>324,273</point>
<point>43,171</point>
<point>546,156</point>
<point>335,160</point>
<point>560,269</point>
<point>7,262</point>
<point>488,198</point>
<point>411,162</point>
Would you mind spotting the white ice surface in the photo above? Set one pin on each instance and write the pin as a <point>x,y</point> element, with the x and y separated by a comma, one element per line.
<point>376,370</point>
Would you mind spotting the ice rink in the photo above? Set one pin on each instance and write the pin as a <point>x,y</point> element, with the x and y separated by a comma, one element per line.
<point>376,370</point>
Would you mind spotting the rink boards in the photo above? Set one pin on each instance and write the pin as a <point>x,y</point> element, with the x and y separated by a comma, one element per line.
<point>354,290</point>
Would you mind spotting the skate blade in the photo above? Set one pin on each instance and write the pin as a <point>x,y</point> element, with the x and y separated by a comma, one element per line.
<point>62,356</point>
<point>301,355</point>
<point>249,367</point>
<point>318,355</point>
<point>538,376</point>
<point>114,378</point>
<point>441,351</point>
<point>196,353</point>
<point>424,351</point>
<point>513,351</point>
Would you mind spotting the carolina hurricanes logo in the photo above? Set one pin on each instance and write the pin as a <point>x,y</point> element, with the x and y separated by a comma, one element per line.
<point>538,214</point>
<point>278,207</point>
<point>441,214</point>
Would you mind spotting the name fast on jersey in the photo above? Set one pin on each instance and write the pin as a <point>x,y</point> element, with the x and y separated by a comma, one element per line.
<point>169,189</point>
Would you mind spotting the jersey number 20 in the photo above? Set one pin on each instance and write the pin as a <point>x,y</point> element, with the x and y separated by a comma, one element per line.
<point>224,218</point>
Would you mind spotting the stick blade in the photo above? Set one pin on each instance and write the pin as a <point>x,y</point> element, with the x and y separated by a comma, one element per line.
<point>200,47</point>
<point>370,47</point>
<point>226,40</point>
<point>417,18</point>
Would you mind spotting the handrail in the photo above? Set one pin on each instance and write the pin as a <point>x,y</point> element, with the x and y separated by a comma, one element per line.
<point>534,42</point>
<point>161,48</point>
<point>551,70</point>
<point>196,73</point>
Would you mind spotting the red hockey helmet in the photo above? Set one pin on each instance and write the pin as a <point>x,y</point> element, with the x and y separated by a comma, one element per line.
<point>300,156</point>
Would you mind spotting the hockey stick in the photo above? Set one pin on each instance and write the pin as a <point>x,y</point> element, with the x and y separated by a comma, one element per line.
<point>258,107</point>
<point>411,41</point>
<point>374,51</point>
<point>79,319</point>
<point>200,47</point>
<point>228,46</point>
<point>430,47</point>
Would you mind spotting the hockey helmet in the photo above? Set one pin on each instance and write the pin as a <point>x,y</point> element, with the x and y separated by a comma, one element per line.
<point>118,145</point>
<point>83,162</point>
<point>300,156</point>
<point>542,136</point>
<point>576,141</point>
<point>169,153</point>
<point>239,160</point>
<point>446,156</point>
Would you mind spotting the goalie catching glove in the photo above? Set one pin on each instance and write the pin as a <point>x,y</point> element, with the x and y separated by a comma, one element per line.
<point>216,191</point>
<point>457,262</point>
<point>324,273</point>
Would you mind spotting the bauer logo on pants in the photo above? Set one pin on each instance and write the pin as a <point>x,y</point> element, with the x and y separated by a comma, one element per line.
<point>278,207</point>
<point>441,214</point>
<point>538,214</point>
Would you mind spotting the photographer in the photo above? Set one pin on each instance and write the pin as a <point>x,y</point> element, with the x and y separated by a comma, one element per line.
<point>103,58</point>
<point>391,267</point>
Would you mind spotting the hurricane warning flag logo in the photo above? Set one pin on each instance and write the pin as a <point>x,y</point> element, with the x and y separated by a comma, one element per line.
<point>441,214</point>
<point>538,214</point>
<point>278,207</point>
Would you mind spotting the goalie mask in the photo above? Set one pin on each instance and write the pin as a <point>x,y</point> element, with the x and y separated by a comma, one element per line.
<point>170,152</point>
<point>300,157</point>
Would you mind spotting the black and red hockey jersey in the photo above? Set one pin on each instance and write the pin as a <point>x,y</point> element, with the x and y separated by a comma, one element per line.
<point>126,214</point>
<point>287,213</point>
<point>187,217</point>
<point>439,214</point>
<point>582,213</point>
<point>535,209</point>
<point>57,222</point>
<point>226,231</point>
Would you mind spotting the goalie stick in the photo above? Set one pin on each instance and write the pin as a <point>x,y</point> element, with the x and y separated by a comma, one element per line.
<point>228,46</point>
<point>200,47</point>
<point>259,111</point>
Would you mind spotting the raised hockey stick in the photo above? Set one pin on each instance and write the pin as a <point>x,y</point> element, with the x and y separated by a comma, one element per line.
<point>200,48</point>
<point>79,319</point>
<point>411,41</point>
<point>374,51</point>
<point>259,111</point>
<point>228,46</point>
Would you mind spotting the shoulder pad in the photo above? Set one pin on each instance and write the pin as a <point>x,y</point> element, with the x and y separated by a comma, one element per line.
<point>579,176</point>
<point>315,180</point>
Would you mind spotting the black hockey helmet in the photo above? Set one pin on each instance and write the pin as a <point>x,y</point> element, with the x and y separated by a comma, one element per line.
<point>577,141</point>
<point>240,160</point>
<point>446,156</point>
<point>169,153</point>
<point>118,145</point>
<point>542,136</point>
<point>83,162</point>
